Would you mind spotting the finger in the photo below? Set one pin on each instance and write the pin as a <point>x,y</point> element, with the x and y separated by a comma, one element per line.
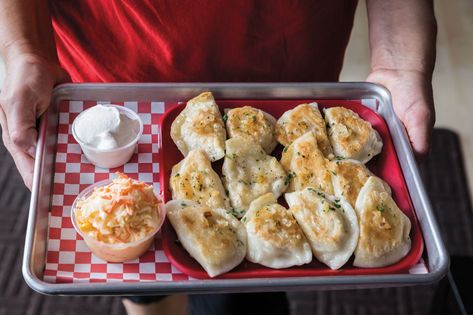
<point>419,124</point>
<point>21,122</point>
<point>23,162</point>
<point>25,165</point>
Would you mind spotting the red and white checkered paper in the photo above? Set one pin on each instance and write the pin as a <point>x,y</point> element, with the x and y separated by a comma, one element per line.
<point>68,258</point>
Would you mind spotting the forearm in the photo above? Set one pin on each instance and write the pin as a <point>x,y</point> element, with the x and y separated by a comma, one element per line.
<point>402,35</point>
<point>25,27</point>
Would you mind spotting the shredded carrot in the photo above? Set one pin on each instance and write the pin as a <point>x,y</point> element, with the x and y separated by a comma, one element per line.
<point>124,192</point>
<point>121,175</point>
<point>121,199</point>
<point>139,185</point>
<point>129,211</point>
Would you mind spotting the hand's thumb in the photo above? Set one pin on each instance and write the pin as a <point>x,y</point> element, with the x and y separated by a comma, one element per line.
<point>419,123</point>
<point>21,124</point>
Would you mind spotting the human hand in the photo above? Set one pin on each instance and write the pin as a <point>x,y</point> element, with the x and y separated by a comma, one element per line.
<point>26,95</point>
<point>413,103</point>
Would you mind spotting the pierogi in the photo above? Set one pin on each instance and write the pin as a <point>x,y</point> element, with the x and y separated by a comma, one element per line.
<point>351,136</point>
<point>248,173</point>
<point>329,223</point>
<point>275,239</point>
<point>384,228</point>
<point>194,179</point>
<point>306,165</point>
<point>252,124</point>
<point>213,237</point>
<point>200,126</point>
<point>298,121</point>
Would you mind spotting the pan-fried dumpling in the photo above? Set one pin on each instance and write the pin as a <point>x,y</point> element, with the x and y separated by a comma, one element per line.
<point>348,177</point>
<point>275,239</point>
<point>384,228</point>
<point>252,124</point>
<point>194,179</point>
<point>329,223</point>
<point>200,126</point>
<point>300,120</point>
<point>248,173</point>
<point>351,136</point>
<point>214,237</point>
<point>306,165</point>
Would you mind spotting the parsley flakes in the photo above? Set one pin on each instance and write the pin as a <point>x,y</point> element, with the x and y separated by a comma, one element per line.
<point>381,207</point>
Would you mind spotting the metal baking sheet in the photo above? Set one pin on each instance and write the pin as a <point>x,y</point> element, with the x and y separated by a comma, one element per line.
<point>435,254</point>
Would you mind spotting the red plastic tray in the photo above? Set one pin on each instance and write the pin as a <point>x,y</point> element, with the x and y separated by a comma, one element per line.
<point>385,165</point>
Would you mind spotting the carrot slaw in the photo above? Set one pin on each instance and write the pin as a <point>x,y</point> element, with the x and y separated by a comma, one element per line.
<point>123,211</point>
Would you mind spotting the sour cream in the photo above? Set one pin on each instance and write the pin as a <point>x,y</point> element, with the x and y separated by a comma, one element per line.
<point>108,134</point>
<point>105,128</point>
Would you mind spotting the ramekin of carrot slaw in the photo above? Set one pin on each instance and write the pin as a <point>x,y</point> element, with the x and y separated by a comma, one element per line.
<point>118,219</point>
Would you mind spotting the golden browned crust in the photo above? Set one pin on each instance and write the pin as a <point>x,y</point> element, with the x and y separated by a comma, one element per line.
<point>252,124</point>
<point>306,165</point>
<point>194,179</point>
<point>299,121</point>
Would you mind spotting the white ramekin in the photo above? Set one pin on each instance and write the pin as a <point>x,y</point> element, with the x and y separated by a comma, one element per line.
<point>112,157</point>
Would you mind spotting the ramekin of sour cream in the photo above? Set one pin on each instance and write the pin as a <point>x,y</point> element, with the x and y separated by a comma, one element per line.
<point>107,134</point>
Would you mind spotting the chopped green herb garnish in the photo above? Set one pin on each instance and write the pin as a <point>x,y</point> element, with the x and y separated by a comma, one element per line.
<point>290,176</point>
<point>225,117</point>
<point>381,207</point>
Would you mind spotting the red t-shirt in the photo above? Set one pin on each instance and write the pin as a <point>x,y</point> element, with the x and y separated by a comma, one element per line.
<point>198,41</point>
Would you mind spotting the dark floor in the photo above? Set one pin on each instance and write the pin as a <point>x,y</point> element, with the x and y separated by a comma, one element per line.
<point>445,182</point>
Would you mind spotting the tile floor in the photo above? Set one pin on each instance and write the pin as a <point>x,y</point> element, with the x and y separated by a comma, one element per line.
<point>453,75</point>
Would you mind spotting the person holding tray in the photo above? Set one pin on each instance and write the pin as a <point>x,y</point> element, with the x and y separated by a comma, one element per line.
<point>44,43</point>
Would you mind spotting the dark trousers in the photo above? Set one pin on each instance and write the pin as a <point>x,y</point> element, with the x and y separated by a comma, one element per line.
<point>274,303</point>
